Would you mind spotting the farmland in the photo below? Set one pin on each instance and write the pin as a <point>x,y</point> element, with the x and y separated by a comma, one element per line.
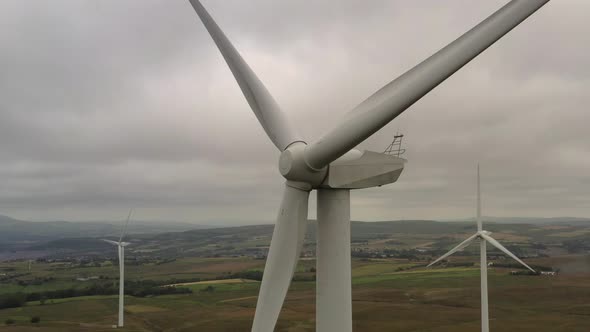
<point>438,299</point>
<point>392,289</point>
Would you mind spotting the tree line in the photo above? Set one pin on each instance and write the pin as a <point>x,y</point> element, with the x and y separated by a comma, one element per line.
<point>142,288</point>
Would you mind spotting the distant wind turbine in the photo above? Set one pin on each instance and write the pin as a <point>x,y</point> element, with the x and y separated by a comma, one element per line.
<point>121,246</point>
<point>483,236</point>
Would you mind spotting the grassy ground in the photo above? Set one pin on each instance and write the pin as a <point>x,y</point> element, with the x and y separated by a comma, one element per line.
<point>384,299</point>
<point>65,276</point>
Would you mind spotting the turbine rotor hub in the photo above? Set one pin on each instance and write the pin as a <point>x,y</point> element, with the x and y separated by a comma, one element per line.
<point>293,167</point>
<point>483,232</point>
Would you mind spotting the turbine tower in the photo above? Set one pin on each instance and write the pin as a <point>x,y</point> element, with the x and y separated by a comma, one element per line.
<point>333,167</point>
<point>483,237</point>
<point>121,250</point>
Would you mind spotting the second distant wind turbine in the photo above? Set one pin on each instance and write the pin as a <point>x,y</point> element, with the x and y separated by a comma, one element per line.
<point>483,237</point>
<point>121,246</point>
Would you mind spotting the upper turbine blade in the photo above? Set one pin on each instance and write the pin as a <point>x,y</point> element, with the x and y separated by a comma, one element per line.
<point>389,102</point>
<point>501,247</point>
<point>125,226</point>
<point>266,109</point>
<point>454,250</point>
<point>285,248</point>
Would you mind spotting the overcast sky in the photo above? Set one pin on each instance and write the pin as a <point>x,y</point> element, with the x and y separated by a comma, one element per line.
<point>106,105</point>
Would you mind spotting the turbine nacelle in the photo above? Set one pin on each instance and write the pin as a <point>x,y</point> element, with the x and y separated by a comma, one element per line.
<point>363,169</point>
<point>119,244</point>
<point>354,170</point>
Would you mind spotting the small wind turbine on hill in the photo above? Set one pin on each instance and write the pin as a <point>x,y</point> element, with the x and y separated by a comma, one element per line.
<point>121,249</point>
<point>483,237</point>
<point>332,166</point>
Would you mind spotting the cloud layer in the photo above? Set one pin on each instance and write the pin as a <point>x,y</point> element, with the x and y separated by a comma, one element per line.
<point>109,105</point>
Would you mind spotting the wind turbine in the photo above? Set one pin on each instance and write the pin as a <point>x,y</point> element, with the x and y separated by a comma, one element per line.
<point>331,166</point>
<point>121,248</point>
<point>483,237</point>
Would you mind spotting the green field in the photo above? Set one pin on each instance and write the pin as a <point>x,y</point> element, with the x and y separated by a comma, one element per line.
<point>392,290</point>
<point>385,298</point>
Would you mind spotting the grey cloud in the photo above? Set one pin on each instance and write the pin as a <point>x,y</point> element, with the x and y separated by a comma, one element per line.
<point>106,105</point>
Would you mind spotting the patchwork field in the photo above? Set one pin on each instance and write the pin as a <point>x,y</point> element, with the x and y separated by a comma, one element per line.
<point>384,299</point>
<point>215,274</point>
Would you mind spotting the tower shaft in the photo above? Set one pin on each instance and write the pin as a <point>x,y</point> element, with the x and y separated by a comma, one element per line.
<point>485,320</point>
<point>333,286</point>
<point>121,284</point>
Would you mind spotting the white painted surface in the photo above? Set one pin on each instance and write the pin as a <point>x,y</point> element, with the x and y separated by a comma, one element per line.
<point>333,272</point>
<point>285,248</point>
<point>394,98</point>
<point>485,320</point>
<point>273,120</point>
<point>121,284</point>
<point>366,170</point>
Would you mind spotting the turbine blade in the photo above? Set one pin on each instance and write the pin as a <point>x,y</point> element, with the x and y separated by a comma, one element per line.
<point>390,101</point>
<point>285,248</point>
<point>125,226</point>
<point>454,250</point>
<point>478,208</point>
<point>111,242</point>
<point>266,109</point>
<point>497,244</point>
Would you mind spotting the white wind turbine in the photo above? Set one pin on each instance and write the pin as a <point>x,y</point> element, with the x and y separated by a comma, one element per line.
<point>121,248</point>
<point>331,166</point>
<point>483,237</point>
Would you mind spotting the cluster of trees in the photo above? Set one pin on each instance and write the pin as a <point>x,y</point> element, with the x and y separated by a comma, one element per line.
<point>459,264</point>
<point>411,254</point>
<point>34,320</point>
<point>34,281</point>
<point>257,275</point>
<point>10,276</point>
<point>181,280</point>
<point>135,288</point>
<point>166,261</point>
<point>577,245</point>
<point>518,266</point>
<point>144,288</point>
<point>13,300</point>
<point>252,275</point>
<point>137,261</point>
<point>525,273</point>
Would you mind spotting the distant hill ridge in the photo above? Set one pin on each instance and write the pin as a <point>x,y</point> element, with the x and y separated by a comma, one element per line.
<point>529,220</point>
<point>254,239</point>
<point>17,231</point>
<point>14,230</point>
